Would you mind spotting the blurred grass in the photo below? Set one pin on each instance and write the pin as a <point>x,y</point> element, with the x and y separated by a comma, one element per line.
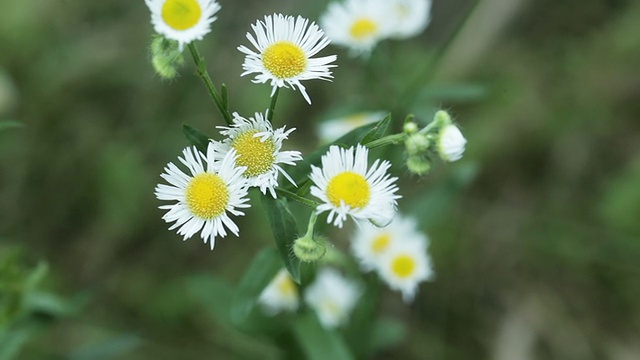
<point>535,230</point>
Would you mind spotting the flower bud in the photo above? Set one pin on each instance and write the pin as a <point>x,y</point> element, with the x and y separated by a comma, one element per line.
<point>451,143</point>
<point>442,118</point>
<point>308,249</point>
<point>418,165</point>
<point>410,127</point>
<point>166,57</point>
<point>416,144</point>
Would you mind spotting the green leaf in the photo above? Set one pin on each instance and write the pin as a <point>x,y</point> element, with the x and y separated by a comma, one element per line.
<point>225,96</point>
<point>378,130</point>
<point>13,340</point>
<point>262,270</point>
<point>300,172</point>
<point>10,124</point>
<point>317,342</point>
<point>196,137</point>
<point>285,230</point>
<point>113,348</point>
<point>387,333</point>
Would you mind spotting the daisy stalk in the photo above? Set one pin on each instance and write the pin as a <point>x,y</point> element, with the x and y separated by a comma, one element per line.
<point>201,69</point>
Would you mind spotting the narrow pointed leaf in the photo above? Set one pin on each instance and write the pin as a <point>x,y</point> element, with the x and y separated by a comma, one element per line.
<point>9,124</point>
<point>225,96</point>
<point>285,230</point>
<point>262,270</point>
<point>196,137</point>
<point>378,131</point>
<point>317,342</point>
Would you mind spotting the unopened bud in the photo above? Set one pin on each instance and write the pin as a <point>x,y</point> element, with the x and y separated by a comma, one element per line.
<point>308,249</point>
<point>410,127</point>
<point>451,143</point>
<point>166,57</point>
<point>442,118</point>
<point>416,144</point>
<point>418,165</point>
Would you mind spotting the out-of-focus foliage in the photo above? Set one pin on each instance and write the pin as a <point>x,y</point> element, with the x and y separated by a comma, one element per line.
<point>534,235</point>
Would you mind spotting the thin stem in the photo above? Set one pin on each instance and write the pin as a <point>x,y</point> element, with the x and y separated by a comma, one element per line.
<point>387,140</point>
<point>204,75</point>
<point>272,106</point>
<point>299,199</point>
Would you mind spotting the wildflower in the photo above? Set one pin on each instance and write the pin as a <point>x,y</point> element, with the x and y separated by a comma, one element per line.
<point>332,129</point>
<point>204,197</point>
<point>370,243</point>
<point>285,46</point>
<point>411,17</point>
<point>259,149</point>
<point>346,187</point>
<point>451,143</point>
<point>404,266</point>
<point>280,295</point>
<point>357,24</point>
<point>332,297</point>
<point>182,20</point>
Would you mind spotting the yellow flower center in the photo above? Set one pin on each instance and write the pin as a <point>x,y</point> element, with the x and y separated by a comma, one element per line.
<point>330,307</point>
<point>207,196</point>
<point>403,266</point>
<point>380,243</point>
<point>287,287</point>
<point>253,153</point>
<point>181,14</point>
<point>349,187</point>
<point>284,59</point>
<point>363,28</point>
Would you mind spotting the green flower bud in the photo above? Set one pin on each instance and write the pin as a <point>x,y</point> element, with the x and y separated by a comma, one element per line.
<point>417,144</point>
<point>442,118</point>
<point>418,165</point>
<point>410,127</point>
<point>166,57</point>
<point>308,249</point>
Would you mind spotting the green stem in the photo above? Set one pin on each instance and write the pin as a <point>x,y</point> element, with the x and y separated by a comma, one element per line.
<point>272,106</point>
<point>204,75</point>
<point>299,199</point>
<point>387,140</point>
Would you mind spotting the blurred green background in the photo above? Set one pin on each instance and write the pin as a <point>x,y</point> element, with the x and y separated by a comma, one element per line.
<point>534,235</point>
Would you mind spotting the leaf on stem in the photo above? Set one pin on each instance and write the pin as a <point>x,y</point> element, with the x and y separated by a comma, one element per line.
<point>196,137</point>
<point>378,130</point>
<point>285,230</point>
<point>317,342</point>
<point>262,270</point>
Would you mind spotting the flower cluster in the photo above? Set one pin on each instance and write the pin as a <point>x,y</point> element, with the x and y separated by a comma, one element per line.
<point>361,24</point>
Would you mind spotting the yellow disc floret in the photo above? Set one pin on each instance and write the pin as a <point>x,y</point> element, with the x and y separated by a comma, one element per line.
<point>284,59</point>
<point>181,14</point>
<point>350,188</point>
<point>363,28</point>
<point>255,154</point>
<point>380,243</point>
<point>207,196</point>
<point>403,266</point>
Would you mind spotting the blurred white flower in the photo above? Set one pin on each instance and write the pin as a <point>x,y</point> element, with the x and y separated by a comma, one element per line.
<point>332,297</point>
<point>332,129</point>
<point>411,17</point>
<point>358,24</point>
<point>280,295</point>
<point>182,20</point>
<point>404,266</point>
<point>451,143</point>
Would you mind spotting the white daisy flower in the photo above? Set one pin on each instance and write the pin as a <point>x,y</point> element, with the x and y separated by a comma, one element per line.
<point>259,149</point>
<point>280,295</point>
<point>332,297</point>
<point>332,129</point>
<point>346,187</point>
<point>285,46</point>
<point>358,24</point>
<point>370,243</point>
<point>404,266</point>
<point>205,196</point>
<point>411,17</point>
<point>183,20</point>
<point>451,143</point>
